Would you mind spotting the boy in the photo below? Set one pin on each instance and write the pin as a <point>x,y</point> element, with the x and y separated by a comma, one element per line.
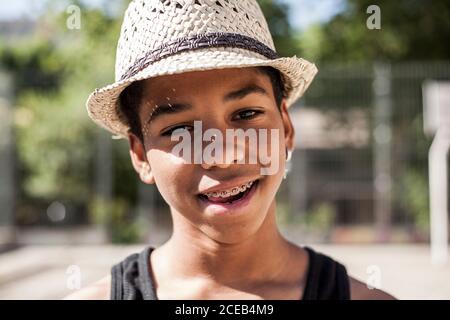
<point>188,74</point>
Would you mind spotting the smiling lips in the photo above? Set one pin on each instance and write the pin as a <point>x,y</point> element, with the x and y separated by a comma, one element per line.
<point>228,195</point>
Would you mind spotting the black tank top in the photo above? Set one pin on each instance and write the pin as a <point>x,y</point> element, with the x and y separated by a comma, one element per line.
<point>327,279</point>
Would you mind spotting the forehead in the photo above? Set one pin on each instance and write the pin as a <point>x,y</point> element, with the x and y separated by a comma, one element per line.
<point>197,82</point>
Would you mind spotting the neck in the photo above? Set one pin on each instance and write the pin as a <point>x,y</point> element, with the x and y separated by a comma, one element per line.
<point>258,258</point>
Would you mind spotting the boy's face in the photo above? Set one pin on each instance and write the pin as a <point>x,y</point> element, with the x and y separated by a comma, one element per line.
<point>184,184</point>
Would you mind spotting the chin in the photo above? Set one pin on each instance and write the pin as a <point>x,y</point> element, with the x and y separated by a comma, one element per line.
<point>237,230</point>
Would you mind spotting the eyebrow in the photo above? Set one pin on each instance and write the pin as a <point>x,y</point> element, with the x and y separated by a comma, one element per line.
<point>169,108</point>
<point>243,92</point>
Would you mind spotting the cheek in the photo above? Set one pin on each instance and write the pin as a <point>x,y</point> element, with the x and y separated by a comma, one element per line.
<point>169,172</point>
<point>272,150</point>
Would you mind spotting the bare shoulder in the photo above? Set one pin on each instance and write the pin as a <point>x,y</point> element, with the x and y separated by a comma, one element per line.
<point>99,290</point>
<point>360,291</point>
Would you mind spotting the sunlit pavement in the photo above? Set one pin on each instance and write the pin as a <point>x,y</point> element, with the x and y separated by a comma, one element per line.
<point>48,272</point>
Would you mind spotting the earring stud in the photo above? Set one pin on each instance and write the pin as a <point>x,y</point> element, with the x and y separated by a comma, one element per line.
<point>288,163</point>
<point>288,155</point>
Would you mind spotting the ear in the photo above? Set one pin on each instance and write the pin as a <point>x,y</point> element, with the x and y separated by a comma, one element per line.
<point>289,131</point>
<point>139,159</point>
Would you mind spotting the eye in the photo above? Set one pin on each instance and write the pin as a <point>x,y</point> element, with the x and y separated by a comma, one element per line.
<point>170,131</point>
<point>247,114</point>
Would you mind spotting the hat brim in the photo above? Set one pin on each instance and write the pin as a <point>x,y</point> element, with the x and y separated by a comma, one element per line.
<point>103,104</point>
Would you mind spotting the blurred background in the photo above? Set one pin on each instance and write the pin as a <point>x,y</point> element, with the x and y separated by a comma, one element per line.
<point>71,204</point>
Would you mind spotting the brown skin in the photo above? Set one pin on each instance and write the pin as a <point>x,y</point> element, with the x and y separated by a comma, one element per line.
<point>210,256</point>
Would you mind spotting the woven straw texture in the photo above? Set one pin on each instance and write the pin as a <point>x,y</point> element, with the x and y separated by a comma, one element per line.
<point>161,37</point>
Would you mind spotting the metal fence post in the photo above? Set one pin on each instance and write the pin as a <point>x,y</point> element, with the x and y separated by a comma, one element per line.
<point>7,166</point>
<point>382,149</point>
<point>438,196</point>
<point>436,103</point>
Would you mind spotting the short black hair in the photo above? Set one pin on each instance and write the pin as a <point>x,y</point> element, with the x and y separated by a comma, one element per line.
<point>131,96</point>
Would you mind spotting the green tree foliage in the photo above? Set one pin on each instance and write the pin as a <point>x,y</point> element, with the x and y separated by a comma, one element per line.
<point>55,69</point>
<point>410,30</point>
<point>283,35</point>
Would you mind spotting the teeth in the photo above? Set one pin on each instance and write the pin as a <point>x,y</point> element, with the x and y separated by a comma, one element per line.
<point>230,192</point>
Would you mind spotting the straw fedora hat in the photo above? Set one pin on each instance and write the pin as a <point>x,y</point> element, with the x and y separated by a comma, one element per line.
<point>161,37</point>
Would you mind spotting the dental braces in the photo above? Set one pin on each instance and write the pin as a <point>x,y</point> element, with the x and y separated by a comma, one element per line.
<point>227,193</point>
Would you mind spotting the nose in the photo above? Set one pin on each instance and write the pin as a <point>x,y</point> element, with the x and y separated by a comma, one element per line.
<point>231,154</point>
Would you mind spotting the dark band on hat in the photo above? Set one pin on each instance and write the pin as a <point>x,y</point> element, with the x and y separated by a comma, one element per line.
<point>200,41</point>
